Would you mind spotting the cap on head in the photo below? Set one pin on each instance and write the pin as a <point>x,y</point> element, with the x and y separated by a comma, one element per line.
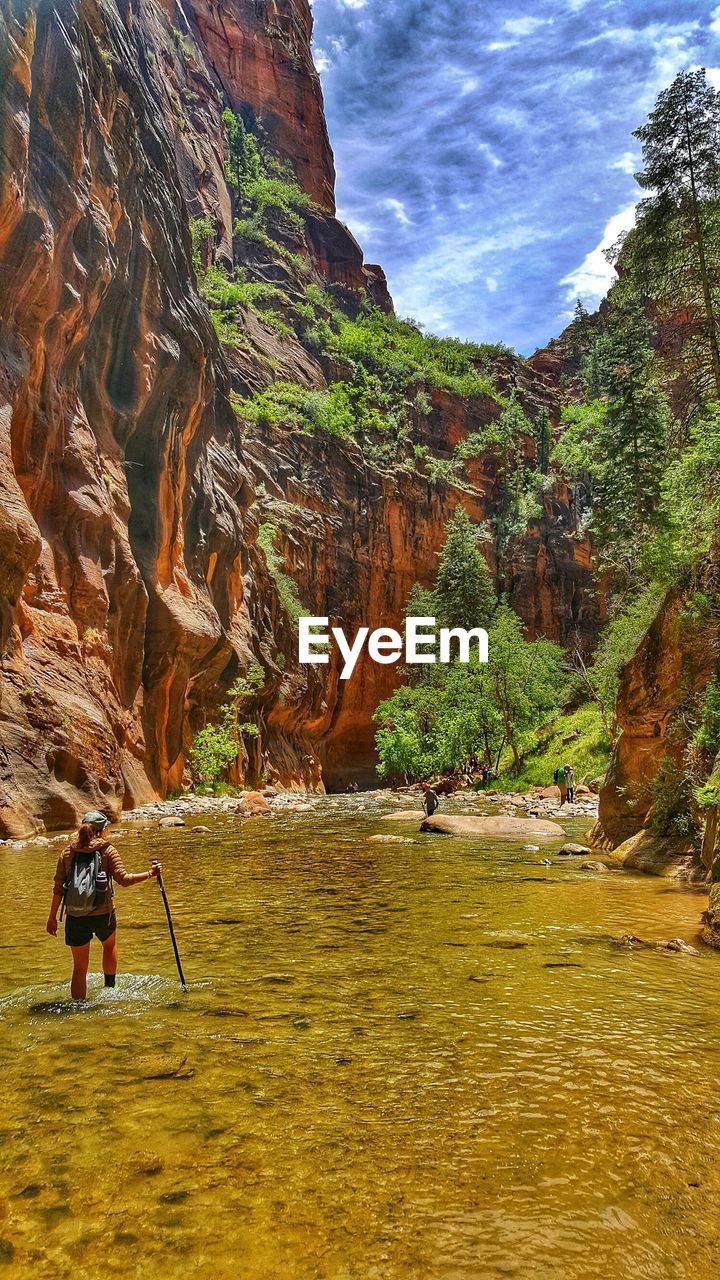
<point>96,819</point>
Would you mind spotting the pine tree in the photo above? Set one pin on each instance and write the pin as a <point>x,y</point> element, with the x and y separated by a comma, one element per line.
<point>679,222</point>
<point>244,164</point>
<point>464,593</point>
<point>630,450</point>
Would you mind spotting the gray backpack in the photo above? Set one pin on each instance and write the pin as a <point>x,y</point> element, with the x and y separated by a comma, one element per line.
<point>86,884</point>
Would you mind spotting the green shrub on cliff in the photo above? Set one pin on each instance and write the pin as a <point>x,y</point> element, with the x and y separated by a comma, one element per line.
<point>400,354</point>
<point>217,746</point>
<point>286,587</point>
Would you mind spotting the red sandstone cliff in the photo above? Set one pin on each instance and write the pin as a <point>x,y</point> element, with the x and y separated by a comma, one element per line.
<point>131,587</point>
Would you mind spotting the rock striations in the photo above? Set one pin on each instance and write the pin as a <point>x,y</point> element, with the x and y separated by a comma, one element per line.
<point>132,587</point>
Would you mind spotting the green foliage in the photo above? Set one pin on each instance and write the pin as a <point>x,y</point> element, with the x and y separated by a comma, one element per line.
<point>399,354</point>
<point>588,753</point>
<point>202,232</point>
<point>689,505</point>
<point>184,43</point>
<point>469,709</point>
<point>618,644</point>
<point>244,164</point>
<point>672,791</point>
<point>520,487</point>
<point>674,255</point>
<point>542,430</point>
<point>286,587</point>
<point>707,796</point>
<point>217,746</point>
<point>707,734</point>
<point>453,711</point>
<point>214,749</point>
<point>464,594</point>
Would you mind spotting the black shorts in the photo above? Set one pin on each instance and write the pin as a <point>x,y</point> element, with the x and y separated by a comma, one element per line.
<point>80,930</point>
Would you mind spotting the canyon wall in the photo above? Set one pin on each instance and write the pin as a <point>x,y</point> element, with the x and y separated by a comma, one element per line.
<point>132,587</point>
<point>659,709</point>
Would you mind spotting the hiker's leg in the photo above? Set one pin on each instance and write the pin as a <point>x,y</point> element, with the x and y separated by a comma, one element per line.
<point>110,959</point>
<point>81,960</point>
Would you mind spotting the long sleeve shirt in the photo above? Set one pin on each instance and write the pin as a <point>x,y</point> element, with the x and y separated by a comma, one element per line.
<point>111,863</point>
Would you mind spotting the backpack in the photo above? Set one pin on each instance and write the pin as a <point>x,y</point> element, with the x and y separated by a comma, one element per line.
<point>559,776</point>
<point>86,883</point>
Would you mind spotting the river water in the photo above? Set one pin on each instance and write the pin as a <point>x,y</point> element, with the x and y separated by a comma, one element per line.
<point>425,1061</point>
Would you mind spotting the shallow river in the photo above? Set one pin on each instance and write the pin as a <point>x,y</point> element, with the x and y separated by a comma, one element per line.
<point>423,1061</point>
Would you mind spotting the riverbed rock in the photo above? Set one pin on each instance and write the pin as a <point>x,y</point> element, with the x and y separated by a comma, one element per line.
<point>667,856</point>
<point>571,850</point>
<point>504,828</point>
<point>599,867</point>
<point>711,919</point>
<point>382,839</point>
<point>171,822</point>
<point>253,805</point>
<point>202,830</point>
<point>677,945</point>
<point>163,1067</point>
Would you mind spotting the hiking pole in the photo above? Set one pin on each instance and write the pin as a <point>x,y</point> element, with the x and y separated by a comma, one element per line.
<point>159,879</point>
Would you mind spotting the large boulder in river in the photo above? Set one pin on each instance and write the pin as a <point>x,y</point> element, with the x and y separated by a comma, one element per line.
<point>253,805</point>
<point>502,828</point>
<point>668,856</point>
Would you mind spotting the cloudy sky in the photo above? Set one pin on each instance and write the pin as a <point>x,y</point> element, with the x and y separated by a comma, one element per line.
<point>484,147</point>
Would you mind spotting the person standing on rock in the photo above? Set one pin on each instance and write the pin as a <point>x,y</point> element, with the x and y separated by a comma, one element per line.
<point>431,800</point>
<point>570,783</point>
<point>83,887</point>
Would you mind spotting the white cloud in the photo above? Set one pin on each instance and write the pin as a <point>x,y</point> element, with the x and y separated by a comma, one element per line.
<point>497,45</point>
<point>398,208</point>
<point>627,163</point>
<point>486,150</point>
<point>492,284</point>
<point>592,279</point>
<point>429,285</point>
<point>322,62</point>
<point>715,24</point>
<point>523,26</point>
<point>354,4</point>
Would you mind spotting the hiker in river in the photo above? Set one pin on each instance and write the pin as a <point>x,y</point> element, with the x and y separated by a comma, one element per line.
<point>570,782</point>
<point>430,801</point>
<point>83,888</point>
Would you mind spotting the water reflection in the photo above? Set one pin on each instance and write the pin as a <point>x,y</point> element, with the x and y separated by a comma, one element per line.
<point>425,1060</point>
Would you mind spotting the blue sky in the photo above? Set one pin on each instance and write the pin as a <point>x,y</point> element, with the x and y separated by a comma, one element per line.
<point>484,150</point>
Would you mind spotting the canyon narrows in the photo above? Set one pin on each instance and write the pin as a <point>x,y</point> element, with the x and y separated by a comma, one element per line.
<point>133,586</point>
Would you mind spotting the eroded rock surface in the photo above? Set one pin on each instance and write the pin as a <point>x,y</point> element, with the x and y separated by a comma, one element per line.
<point>132,589</point>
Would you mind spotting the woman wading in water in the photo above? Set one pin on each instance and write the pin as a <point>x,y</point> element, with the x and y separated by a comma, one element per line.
<point>83,886</point>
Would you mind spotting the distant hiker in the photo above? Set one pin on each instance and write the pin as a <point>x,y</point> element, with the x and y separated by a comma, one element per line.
<point>83,887</point>
<point>430,801</point>
<point>560,780</point>
<point>570,782</point>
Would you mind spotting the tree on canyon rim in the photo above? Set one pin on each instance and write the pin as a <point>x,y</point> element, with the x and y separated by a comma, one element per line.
<point>676,244</point>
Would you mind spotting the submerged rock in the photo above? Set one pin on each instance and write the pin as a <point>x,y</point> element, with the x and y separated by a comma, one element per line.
<point>160,1067</point>
<point>574,850</point>
<point>382,839</point>
<point>171,822</point>
<point>593,866</point>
